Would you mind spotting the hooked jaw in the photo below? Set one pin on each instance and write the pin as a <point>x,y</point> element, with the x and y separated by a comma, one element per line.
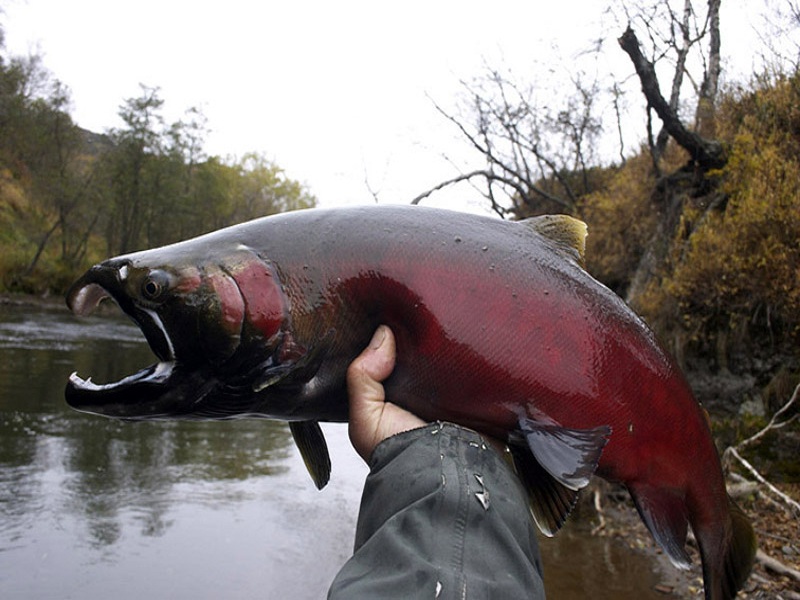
<point>124,397</point>
<point>214,322</point>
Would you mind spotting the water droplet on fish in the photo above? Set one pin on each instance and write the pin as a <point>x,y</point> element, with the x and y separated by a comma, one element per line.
<point>485,248</point>
<point>438,589</point>
<point>457,239</point>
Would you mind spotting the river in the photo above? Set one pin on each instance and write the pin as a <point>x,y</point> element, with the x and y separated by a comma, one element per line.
<point>93,508</point>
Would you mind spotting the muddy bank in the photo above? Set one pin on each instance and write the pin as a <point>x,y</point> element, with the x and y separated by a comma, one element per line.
<point>777,529</point>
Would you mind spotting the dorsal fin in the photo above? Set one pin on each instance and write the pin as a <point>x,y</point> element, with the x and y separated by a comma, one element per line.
<point>568,233</point>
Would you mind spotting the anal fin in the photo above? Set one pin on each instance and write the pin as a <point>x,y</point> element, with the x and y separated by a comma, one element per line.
<point>664,513</point>
<point>311,442</point>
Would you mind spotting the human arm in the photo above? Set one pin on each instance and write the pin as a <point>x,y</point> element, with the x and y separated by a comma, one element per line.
<point>442,515</point>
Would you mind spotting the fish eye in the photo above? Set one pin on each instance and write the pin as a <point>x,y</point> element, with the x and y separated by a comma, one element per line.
<point>155,285</point>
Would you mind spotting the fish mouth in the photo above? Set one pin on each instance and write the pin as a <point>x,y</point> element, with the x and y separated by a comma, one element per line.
<point>142,394</point>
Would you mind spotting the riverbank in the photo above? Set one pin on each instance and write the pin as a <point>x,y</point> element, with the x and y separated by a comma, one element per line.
<point>47,301</point>
<point>51,302</point>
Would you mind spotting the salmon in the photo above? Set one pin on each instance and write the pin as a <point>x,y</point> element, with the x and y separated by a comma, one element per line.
<point>499,328</point>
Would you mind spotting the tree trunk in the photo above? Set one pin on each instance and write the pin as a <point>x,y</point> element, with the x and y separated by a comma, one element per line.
<point>707,102</point>
<point>40,249</point>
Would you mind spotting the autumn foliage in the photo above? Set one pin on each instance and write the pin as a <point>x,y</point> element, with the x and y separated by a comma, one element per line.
<point>731,276</point>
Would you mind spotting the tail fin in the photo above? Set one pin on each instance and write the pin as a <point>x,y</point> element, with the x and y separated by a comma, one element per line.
<point>723,579</point>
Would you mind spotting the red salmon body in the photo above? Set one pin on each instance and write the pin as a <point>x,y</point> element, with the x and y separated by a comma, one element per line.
<point>498,327</point>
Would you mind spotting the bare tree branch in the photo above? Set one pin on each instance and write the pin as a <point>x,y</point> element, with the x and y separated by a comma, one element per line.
<point>682,52</point>
<point>731,451</point>
<point>707,154</point>
<point>776,566</point>
<point>490,177</point>
<point>536,155</point>
<point>774,423</point>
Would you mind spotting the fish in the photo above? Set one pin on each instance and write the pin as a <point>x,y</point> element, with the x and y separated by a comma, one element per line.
<point>498,327</point>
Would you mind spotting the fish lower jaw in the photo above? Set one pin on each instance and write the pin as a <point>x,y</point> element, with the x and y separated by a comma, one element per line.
<point>157,373</point>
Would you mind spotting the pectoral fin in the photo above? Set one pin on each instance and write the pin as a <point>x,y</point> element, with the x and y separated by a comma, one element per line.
<point>295,365</point>
<point>311,442</point>
<point>569,455</point>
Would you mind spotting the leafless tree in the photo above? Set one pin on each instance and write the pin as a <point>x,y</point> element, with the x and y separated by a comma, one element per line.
<point>537,152</point>
<point>706,153</point>
<point>672,40</point>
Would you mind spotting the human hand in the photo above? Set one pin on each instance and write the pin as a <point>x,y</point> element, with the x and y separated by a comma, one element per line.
<point>372,419</point>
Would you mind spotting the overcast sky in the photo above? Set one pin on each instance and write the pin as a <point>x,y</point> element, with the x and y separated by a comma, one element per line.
<point>337,93</point>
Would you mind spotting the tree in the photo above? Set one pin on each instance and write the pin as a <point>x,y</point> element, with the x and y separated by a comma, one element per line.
<point>263,189</point>
<point>41,147</point>
<point>131,170</point>
<point>705,152</point>
<point>537,153</point>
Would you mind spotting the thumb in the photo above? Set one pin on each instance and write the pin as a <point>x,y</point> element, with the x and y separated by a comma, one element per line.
<point>372,419</point>
<point>373,366</point>
<point>365,391</point>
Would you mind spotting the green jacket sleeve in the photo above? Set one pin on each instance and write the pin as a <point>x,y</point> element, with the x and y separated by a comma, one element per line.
<point>442,516</point>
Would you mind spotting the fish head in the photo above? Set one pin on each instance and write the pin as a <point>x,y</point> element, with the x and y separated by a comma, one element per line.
<point>215,317</point>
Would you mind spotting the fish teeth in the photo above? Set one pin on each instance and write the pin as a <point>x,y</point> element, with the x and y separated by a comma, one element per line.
<point>158,373</point>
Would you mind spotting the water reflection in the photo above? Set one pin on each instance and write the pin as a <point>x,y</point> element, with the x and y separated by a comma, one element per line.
<point>91,507</point>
